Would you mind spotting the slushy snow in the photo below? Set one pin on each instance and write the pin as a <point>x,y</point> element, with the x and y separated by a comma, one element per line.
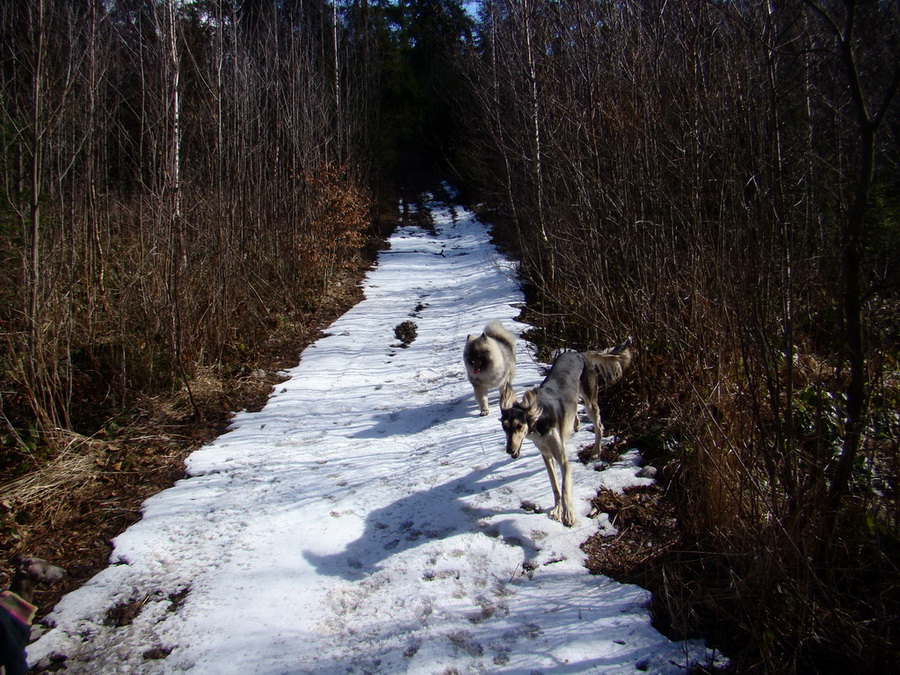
<point>367,520</point>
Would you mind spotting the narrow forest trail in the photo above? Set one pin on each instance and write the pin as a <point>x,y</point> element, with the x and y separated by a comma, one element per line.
<point>367,520</point>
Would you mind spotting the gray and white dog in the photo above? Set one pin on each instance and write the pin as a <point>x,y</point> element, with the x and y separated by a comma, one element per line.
<point>490,360</point>
<point>548,415</point>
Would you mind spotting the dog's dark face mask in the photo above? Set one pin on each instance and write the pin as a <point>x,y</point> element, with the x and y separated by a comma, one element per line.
<point>476,363</point>
<point>515,426</point>
<point>478,358</point>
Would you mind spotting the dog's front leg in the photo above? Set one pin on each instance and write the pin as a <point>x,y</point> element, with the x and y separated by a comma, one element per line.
<point>550,463</point>
<point>481,396</point>
<point>568,510</point>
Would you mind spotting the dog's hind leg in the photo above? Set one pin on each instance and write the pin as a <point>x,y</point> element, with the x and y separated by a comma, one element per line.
<point>593,411</point>
<point>590,393</point>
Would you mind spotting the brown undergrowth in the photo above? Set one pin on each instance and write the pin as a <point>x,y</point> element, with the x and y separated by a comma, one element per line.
<point>642,552</point>
<point>646,531</point>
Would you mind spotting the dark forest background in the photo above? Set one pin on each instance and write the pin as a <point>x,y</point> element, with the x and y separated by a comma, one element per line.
<point>718,180</point>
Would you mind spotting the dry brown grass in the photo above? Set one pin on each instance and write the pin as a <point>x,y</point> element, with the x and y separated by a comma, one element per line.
<point>77,463</point>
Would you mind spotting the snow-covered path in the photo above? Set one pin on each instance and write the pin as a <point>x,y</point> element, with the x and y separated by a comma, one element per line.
<point>367,520</point>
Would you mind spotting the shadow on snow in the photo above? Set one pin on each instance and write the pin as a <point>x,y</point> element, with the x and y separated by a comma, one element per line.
<point>431,514</point>
<point>409,421</point>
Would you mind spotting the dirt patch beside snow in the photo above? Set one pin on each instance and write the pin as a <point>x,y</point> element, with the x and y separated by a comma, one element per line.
<point>637,554</point>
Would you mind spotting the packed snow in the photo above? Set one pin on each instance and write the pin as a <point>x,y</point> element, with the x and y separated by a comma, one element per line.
<point>368,520</point>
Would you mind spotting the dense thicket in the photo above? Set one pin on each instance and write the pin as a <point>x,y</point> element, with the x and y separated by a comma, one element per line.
<point>177,178</point>
<point>719,180</point>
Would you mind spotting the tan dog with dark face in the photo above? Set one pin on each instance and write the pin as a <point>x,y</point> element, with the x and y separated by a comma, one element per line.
<point>548,415</point>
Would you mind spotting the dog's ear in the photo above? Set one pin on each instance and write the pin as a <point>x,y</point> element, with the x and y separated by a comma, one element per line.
<point>529,400</point>
<point>507,397</point>
<point>531,407</point>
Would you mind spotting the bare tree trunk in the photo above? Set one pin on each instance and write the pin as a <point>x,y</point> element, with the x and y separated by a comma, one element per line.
<point>172,195</point>
<point>37,156</point>
<point>174,167</point>
<point>498,114</point>
<point>338,111</point>
<point>94,253</point>
<point>36,356</point>
<point>535,115</point>
<point>852,241</point>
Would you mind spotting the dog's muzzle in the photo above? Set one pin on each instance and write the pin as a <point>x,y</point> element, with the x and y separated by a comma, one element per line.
<point>513,449</point>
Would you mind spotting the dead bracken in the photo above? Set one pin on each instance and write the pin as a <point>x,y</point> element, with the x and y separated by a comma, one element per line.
<point>406,333</point>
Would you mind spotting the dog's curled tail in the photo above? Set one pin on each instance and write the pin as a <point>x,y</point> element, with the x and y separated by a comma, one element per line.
<point>611,363</point>
<point>496,330</point>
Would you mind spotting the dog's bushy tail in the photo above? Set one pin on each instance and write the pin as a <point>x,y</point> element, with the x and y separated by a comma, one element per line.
<point>496,330</point>
<point>610,363</point>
